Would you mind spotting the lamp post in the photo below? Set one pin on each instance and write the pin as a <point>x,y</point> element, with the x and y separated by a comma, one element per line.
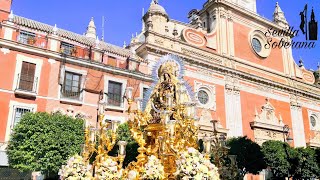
<point>215,144</point>
<point>287,139</point>
<point>286,134</point>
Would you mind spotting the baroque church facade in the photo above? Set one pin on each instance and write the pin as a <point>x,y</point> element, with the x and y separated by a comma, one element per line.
<point>251,90</point>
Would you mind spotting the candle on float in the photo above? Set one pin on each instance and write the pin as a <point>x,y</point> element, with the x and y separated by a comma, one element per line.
<point>188,111</point>
<point>129,93</point>
<point>207,145</point>
<point>87,124</point>
<point>114,126</point>
<point>101,107</point>
<point>84,124</point>
<point>172,128</point>
<point>167,118</point>
<point>162,144</point>
<point>122,147</point>
<point>138,104</point>
<point>92,135</point>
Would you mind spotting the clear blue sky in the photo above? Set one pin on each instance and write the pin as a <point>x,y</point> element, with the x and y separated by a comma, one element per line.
<point>123,17</point>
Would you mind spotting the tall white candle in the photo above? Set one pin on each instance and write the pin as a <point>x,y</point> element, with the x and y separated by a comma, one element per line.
<point>129,93</point>
<point>92,136</point>
<point>122,147</point>
<point>172,129</point>
<point>114,126</point>
<point>207,146</point>
<point>138,104</point>
<point>188,112</point>
<point>167,118</point>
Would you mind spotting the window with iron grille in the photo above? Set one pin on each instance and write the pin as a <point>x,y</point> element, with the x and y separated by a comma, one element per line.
<point>26,79</point>
<point>67,48</point>
<point>18,113</point>
<point>71,88</point>
<point>114,93</point>
<point>26,37</point>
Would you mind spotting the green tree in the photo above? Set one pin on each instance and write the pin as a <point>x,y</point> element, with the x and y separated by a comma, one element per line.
<point>43,142</point>
<point>306,166</point>
<point>277,156</point>
<point>317,152</point>
<point>249,157</point>
<point>124,134</point>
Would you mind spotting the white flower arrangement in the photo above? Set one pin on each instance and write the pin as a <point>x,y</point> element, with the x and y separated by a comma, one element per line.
<point>193,165</point>
<point>75,169</point>
<point>108,170</point>
<point>153,169</point>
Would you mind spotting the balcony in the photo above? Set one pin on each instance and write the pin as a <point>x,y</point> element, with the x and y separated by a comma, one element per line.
<point>26,85</point>
<point>70,50</point>
<point>32,40</point>
<point>71,97</point>
<point>115,104</point>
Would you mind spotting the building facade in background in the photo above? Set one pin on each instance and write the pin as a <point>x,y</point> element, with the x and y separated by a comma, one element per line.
<point>249,88</point>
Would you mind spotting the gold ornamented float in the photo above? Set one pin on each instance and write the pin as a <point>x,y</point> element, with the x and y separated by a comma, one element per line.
<point>165,131</point>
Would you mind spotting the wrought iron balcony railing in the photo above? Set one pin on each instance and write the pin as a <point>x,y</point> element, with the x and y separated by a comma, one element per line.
<point>37,41</point>
<point>71,95</point>
<point>118,102</point>
<point>27,83</point>
<point>83,53</point>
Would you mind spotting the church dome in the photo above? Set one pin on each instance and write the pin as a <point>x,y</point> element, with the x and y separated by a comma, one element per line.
<point>156,8</point>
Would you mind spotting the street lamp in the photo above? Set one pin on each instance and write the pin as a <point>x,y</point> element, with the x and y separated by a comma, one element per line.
<point>287,139</point>
<point>286,134</point>
<point>215,144</point>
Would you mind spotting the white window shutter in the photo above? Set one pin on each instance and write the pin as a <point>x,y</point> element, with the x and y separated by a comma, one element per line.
<point>62,72</point>
<point>83,80</point>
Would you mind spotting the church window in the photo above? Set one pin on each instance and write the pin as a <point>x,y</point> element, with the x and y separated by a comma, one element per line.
<point>203,97</point>
<point>256,44</point>
<point>313,121</point>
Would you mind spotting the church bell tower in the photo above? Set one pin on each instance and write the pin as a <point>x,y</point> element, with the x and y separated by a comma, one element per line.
<point>246,4</point>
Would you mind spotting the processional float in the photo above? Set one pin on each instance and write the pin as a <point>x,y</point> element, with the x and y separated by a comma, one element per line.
<point>165,128</point>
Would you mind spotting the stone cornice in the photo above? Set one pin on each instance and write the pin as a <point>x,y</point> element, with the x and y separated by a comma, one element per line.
<point>219,68</point>
<point>220,59</point>
<point>8,24</point>
<point>12,45</point>
<point>267,126</point>
<point>208,129</point>
<point>235,7</point>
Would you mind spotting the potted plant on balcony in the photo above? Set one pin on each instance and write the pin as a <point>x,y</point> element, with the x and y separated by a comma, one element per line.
<point>73,51</point>
<point>31,40</point>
